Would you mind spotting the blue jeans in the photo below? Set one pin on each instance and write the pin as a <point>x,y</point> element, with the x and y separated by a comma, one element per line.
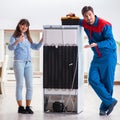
<point>23,71</point>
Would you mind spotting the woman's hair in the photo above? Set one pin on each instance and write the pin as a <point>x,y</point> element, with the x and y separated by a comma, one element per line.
<point>86,9</point>
<point>17,32</point>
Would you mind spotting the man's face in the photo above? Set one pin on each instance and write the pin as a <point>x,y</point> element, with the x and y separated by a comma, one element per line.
<point>89,17</point>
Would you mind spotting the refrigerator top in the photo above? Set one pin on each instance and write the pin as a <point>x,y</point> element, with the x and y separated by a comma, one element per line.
<point>61,26</point>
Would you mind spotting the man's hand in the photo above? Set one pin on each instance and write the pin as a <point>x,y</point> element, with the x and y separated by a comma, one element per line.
<point>70,15</point>
<point>91,45</point>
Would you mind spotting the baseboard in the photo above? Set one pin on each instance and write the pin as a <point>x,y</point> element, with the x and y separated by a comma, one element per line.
<point>116,82</point>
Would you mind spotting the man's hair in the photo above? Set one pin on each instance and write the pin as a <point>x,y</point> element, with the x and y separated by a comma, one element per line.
<point>86,9</point>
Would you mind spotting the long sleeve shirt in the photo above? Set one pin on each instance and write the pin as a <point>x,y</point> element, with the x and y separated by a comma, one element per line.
<point>101,33</point>
<point>22,50</point>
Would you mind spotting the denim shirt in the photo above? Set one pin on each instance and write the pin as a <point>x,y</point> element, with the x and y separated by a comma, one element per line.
<point>22,50</point>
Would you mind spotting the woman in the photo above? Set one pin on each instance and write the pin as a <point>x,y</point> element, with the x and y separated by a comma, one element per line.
<point>21,43</point>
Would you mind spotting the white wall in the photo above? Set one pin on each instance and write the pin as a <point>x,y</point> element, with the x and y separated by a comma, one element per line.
<point>49,12</point>
<point>42,12</point>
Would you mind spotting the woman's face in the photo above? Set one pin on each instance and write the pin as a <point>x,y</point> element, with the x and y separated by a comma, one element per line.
<point>23,28</point>
<point>89,17</point>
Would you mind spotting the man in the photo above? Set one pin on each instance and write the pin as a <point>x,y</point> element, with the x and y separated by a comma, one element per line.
<point>102,69</point>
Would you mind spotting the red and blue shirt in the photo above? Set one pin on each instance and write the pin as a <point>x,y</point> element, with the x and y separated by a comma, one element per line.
<point>101,33</point>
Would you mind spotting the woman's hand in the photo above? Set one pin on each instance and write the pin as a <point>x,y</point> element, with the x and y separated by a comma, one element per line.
<point>41,40</point>
<point>20,39</point>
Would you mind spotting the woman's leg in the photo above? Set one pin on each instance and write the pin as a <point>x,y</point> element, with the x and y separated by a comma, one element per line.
<point>19,74</point>
<point>28,80</point>
<point>29,86</point>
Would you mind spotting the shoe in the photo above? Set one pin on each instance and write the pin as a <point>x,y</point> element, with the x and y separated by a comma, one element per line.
<point>28,110</point>
<point>21,110</point>
<point>110,108</point>
<point>102,113</point>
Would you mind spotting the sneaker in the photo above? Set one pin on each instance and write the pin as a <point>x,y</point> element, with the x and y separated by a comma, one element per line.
<point>21,110</point>
<point>28,110</point>
<point>102,113</point>
<point>111,107</point>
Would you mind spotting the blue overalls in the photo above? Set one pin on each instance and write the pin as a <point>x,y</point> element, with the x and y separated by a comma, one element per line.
<point>102,69</point>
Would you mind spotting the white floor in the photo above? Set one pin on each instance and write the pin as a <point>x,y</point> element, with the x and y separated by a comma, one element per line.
<point>8,106</point>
